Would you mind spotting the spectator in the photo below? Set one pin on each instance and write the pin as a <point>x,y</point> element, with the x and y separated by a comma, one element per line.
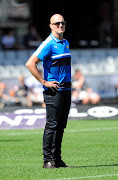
<point>22,92</point>
<point>36,90</point>
<point>8,41</point>
<point>32,39</point>
<point>81,93</point>
<point>5,99</point>
<point>116,89</point>
<point>2,88</point>
<point>78,80</point>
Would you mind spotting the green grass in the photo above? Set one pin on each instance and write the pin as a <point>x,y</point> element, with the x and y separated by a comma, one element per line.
<point>91,146</point>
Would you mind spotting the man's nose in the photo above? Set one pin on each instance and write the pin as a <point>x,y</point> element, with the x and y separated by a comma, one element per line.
<point>61,24</point>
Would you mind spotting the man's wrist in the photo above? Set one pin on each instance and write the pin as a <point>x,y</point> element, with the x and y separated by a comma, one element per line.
<point>44,82</point>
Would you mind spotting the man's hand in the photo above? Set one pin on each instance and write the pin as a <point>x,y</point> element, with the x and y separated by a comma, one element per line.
<point>52,85</point>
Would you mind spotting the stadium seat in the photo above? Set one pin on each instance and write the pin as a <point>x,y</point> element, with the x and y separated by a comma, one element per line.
<point>92,68</point>
<point>1,57</point>
<point>2,70</point>
<point>94,43</point>
<point>110,64</point>
<point>83,43</point>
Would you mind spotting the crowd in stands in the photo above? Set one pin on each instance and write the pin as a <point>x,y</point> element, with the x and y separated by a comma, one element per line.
<point>81,92</point>
<point>25,93</point>
<point>30,40</point>
<point>28,91</point>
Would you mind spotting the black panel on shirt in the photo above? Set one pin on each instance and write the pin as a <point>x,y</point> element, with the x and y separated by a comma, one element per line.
<point>61,62</point>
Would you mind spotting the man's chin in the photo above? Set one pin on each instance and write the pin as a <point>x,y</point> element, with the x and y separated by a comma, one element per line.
<point>61,31</point>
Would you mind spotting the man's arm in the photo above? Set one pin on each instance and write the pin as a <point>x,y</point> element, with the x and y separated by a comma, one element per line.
<point>32,66</point>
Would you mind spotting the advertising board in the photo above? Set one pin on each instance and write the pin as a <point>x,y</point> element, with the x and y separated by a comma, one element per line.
<point>36,118</point>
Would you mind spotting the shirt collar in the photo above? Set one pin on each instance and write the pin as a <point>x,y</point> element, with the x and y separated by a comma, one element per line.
<point>56,39</point>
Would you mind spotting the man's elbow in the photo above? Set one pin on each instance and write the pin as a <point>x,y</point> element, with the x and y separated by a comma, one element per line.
<point>27,64</point>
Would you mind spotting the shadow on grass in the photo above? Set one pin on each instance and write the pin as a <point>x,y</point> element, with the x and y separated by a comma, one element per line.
<point>106,165</point>
<point>15,140</point>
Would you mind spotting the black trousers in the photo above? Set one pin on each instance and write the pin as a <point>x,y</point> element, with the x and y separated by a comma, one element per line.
<point>57,109</point>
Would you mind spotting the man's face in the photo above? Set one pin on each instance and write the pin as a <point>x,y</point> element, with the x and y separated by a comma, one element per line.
<point>57,24</point>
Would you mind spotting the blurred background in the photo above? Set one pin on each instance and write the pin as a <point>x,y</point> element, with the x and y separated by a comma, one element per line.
<point>91,30</point>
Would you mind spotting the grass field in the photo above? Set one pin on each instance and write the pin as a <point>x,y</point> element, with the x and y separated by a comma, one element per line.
<point>91,147</point>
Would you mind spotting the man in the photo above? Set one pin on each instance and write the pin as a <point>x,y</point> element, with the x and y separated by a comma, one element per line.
<point>56,58</point>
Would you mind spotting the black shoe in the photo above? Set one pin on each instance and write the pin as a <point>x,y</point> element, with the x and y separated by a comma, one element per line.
<point>60,164</point>
<point>49,165</point>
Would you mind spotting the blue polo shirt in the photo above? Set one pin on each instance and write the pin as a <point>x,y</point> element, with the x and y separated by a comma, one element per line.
<point>56,60</point>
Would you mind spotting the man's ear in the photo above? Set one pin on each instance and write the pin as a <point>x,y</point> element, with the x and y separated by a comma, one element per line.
<point>50,25</point>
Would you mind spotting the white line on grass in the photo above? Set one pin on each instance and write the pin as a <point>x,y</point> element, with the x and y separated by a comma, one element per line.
<point>85,177</point>
<point>67,131</point>
<point>20,134</point>
<point>96,129</point>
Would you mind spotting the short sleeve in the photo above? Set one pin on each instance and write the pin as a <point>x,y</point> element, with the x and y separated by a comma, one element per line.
<point>43,51</point>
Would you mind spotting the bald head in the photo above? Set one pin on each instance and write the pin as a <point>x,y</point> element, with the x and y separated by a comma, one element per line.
<point>57,26</point>
<point>56,18</point>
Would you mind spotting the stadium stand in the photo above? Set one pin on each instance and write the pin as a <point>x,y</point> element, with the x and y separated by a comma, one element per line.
<point>97,65</point>
<point>89,61</point>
